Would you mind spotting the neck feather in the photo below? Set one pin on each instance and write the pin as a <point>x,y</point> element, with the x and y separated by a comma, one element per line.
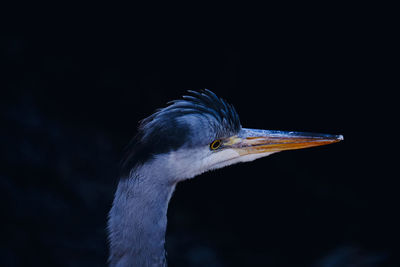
<point>138,221</point>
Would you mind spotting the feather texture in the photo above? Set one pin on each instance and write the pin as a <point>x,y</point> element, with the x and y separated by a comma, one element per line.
<point>192,121</point>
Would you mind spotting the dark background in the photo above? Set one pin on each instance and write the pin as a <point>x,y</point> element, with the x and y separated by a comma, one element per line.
<point>72,97</point>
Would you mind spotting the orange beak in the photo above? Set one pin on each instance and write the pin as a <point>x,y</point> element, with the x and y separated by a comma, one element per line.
<point>252,141</point>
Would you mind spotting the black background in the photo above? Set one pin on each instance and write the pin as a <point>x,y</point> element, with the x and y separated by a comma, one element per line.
<point>72,97</point>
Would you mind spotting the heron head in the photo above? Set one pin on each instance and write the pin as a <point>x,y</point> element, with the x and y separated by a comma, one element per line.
<point>202,132</point>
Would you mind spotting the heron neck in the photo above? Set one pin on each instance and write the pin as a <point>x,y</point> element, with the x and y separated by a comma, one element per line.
<point>138,221</point>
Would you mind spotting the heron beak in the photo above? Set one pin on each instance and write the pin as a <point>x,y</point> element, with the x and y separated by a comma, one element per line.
<point>252,141</point>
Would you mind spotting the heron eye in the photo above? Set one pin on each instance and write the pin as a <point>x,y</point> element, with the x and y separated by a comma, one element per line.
<point>215,144</point>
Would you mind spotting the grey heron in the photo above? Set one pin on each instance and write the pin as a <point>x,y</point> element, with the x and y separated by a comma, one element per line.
<point>195,134</point>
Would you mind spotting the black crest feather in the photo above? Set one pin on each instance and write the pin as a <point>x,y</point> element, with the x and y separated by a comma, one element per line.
<point>178,124</point>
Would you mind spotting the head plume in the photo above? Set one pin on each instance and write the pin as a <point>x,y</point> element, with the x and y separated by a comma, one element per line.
<point>196,119</point>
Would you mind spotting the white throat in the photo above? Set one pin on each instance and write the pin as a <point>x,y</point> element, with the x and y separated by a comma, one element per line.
<point>138,217</point>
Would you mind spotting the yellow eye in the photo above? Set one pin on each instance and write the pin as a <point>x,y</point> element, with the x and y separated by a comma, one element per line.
<point>215,144</point>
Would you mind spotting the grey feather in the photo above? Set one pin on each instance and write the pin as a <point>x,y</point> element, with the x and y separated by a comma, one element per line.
<point>196,119</point>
